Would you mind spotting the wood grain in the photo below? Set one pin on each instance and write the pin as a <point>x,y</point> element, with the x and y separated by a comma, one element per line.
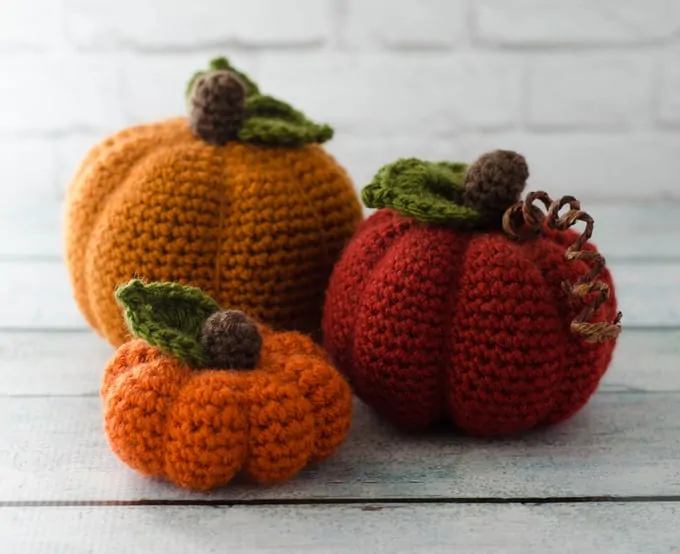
<point>607,528</point>
<point>70,363</point>
<point>622,231</point>
<point>620,444</point>
<point>37,294</point>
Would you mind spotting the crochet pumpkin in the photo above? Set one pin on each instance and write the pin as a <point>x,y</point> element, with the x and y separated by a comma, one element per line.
<point>239,199</point>
<point>455,301</point>
<point>202,393</point>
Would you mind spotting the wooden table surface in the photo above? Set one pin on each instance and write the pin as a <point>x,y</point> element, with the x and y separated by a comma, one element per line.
<point>608,480</point>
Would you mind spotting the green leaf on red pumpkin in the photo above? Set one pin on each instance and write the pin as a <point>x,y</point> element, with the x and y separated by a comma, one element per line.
<point>426,191</point>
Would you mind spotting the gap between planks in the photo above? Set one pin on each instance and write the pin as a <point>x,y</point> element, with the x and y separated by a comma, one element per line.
<point>374,502</point>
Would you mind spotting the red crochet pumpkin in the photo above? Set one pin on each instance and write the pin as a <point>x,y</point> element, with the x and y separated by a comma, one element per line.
<point>456,301</point>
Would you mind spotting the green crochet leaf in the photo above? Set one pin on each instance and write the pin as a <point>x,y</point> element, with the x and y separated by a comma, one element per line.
<point>168,316</point>
<point>267,120</point>
<point>270,121</point>
<point>426,191</point>
<point>223,63</point>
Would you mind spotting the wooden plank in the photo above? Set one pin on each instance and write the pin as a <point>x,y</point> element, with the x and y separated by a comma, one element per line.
<point>621,444</point>
<point>70,363</point>
<point>37,294</point>
<point>48,363</point>
<point>645,528</point>
<point>622,231</point>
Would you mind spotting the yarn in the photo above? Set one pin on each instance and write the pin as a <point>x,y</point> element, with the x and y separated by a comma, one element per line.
<point>167,315</point>
<point>257,223</point>
<point>198,427</point>
<point>435,312</point>
<point>428,191</point>
<point>223,64</point>
<point>495,181</point>
<point>270,121</point>
<point>231,340</point>
<point>217,103</point>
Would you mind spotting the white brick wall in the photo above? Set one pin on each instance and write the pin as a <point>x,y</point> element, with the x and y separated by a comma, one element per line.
<point>589,90</point>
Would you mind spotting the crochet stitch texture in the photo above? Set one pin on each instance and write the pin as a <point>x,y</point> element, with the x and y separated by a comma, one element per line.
<point>257,221</point>
<point>198,427</point>
<point>436,312</point>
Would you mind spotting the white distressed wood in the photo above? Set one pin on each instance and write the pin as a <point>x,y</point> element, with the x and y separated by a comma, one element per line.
<point>623,231</point>
<point>644,528</point>
<point>621,444</point>
<point>52,363</point>
<point>37,294</point>
<point>70,363</point>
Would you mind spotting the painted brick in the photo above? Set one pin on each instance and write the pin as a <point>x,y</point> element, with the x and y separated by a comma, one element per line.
<point>52,94</point>
<point>405,24</point>
<point>26,170</point>
<point>153,86</point>
<point>593,167</point>
<point>576,22</point>
<point>379,94</point>
<point>155,24</point>
<point>30,25</point>
<point>589,91</point>
<point>668,107</point>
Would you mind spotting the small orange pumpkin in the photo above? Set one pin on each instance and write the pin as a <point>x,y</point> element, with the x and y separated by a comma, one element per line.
<point>202,393</point>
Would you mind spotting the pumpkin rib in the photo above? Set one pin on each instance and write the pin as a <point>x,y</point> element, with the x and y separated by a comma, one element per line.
<point>331,399</point>
<point>105,265</point>
<point>581,358</point>
<point>117,142</point>
<point>142,442</point>
<point>275,264</point>
<point>506,341</point>
<point>327,391</point>
<point>306,196</point>
<point>402,348</point>
<point>130,354</point>
<point>203,460</point>
<point>373,238</point>
<point>224,191</point>
<point>278,449</point>
<point>391,240</point>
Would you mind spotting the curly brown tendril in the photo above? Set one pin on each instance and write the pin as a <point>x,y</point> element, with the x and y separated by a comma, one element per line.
<point>525,220</point>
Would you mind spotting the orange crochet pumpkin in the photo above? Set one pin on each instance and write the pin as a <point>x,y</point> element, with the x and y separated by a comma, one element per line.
<point>239,199</point>
<point>203,394</point>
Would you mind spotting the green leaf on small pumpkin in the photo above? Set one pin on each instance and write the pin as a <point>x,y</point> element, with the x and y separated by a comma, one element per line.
<point>427,191</point>
<point>223,63</point>
<point>270,121</point>
<point>168,316</point>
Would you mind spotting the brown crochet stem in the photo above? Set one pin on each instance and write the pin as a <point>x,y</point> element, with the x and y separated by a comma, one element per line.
<point>231,340</point>
<point>524,220</point>
<point>216,106</point>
